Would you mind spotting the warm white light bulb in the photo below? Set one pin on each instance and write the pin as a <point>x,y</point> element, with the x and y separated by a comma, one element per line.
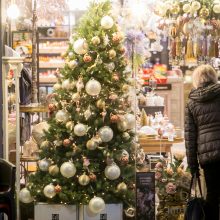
<point>13,11</point>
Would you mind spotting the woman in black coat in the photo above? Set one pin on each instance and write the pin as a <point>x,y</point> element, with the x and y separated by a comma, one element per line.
<point>202,133</point>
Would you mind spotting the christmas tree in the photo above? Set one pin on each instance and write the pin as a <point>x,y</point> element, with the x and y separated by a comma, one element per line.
<point>88,152</point>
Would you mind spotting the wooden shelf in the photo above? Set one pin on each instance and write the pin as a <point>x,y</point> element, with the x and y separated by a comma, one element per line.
<point>32,108</point>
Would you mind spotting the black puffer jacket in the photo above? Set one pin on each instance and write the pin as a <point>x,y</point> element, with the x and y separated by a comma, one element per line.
<point>202,126</point>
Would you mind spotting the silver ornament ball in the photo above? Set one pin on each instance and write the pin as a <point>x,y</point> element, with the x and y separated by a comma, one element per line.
<point>96,205</point>
<point>68,169</point>
<point>105,133</point>
<point>49,191</point>
<point>25,196</point>
<point>112,172</point>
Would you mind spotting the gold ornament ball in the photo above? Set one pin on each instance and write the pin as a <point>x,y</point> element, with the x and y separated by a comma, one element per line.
<point>70,125</point>
<point>84,180</point>
<point>72,64</point>
<point>122,187</point>
<point>100,104</point>
<point>45,144</point>
<point>54,170</point>
<point>125,88</point>
<point>87,58</point>
<point>96,40</point>
<point>111,54</point>
<point>122,125</point>
<point>58,188</point>
<point>216,8</point>
<point>66,142</point>
<point>91,145</point>
<point>204,12</point>
<point>63,55</point>
<point>175,9</point>
<point>76,97</point>
<point>186,8</point>
<point>126,136</point>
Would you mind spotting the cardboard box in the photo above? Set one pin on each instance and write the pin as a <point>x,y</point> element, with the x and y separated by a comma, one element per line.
<point>111,212</point>
<point>44,211</point>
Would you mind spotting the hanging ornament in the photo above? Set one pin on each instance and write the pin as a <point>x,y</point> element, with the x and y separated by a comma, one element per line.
<point>93,87</point>
<point>80,46</point>
<point>116,37</point>
<point>58,188</point>
<point>87,113</point>
<point>68,169</point>
<point>58,143</point>
<point>80,130</point>
<point>54,170</point>
<point>95,40</point>
<point>103,114</point>
<point>107,22</point>
<point>62,116</point>
<point>72,64</point>
<point>112,54</point>
<point>126,136</point>
<point>76,97</point>
<point>45,144</point>
<point>130,212</point>
<point>122,125</point>
<point>112,172</point>
<point>96,205</point>
<point>44,164</point>
<point>114,118</point>
<point>115,77</point>
<point>70,125</point>
<point>125,88</point>
<point>113,96</point>
<point>100,104</point>
<point>124,160</point>
<point>122,187</point>
<point>175,8</point>
<point>49,191</point>
<point>97,139</point>
<point>186,8</point>
<point>51,107</point>
<point>25,196</point>
<point>204,12</point>
<point>71,54</point>
<point>131,120</point>
<point>216,8</point>
<point>92,177</point>
<point>79,85</point>
<point>87,58</point>
<point>105,133</point>
<point>66,142</point>
<point>195,6</point>
<point>122,50</point>
<point>84,180</point>
<point>66,84</point>
<point>105,40</point>
<point>91,144</point>
<point>110,66</point>
<point>57,86</point>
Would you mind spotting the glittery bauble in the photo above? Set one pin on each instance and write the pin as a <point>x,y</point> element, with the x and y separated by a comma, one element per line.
<point>58,188</point>
<point>111,54</point>
<point>216,8</point>
<point>122,50</point>
<point>116,37</point>
<point>96,205</point>
<point>76,97</point>
<point>114,118</point>
<point>45,144</point>
<point>131,120</point>
<point>195,6</point>
<point>68,169</point>
<point>54,170</point>
<point>62,116</point>
<point>44,164</point>
<point>80,46</point>
<point>115,77</point>
<point>93,87</point>
<point>66,142</point>
<point>130,212</point>
<point>204,12</point>
<point>66,84</point>
<point>107,22</point>
<point>125,88</point>
<point>80,129</point>
<point>49,191</point>
<point>105,133</point>
<point>71,54</point>
<point>100,104</point>
<point>87,58</point>
<point>112,172</point>
<point>96,40</point>
<point>91,144</point>
<point>25,196</point>
<point>186,8</point>
<point>84,180</point>
<point>57,86</point>
<point>122,187</point>
<point>92,177</point>
<point>51,107</point>
<point>70,125</point>
<point>175,8</point>
<point>72,64</point>
<point>110,66</point>
<point>126,136</point>
<point>113,96</point>
<point>122,125</point>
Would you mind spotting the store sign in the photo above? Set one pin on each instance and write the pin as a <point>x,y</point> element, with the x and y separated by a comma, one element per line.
<point>164,87</point>
<point>145,195</point>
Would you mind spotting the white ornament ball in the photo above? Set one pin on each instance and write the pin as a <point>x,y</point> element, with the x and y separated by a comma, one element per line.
<point>195,5</point>
<point>76,97</point>
<point>66,84</point>
<point>107,22</point>
<point>131,120</point>
<point>25,196</point>
<point>96,40</point>
<point>126,136</point>
<point>84,180</point>
<point>68,169</point>
<point>62,116</point>
<point>216,8</point>
<point>93,87</point>
<point>80,46</point>
<point>70,125</point>
<point>70,54</point>
<point>122,125</point>
<point>49,191</point>
<point>91,144</point>
<point>57,86</point>
<point>96,205</point>
<point>105,133</point>
<point>112,172</point>
<point>80,130</point>
<point>72,64</point>
<point>54,170</point>
<point>44,164</point>
<point>186,8</point>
